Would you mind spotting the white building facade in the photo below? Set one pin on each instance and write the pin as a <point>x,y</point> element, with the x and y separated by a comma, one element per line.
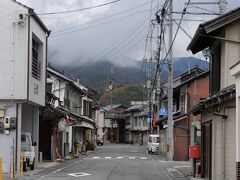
<point>23,56</point>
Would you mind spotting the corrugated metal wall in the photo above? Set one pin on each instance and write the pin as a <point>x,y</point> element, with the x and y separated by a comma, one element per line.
<point>13,51</point>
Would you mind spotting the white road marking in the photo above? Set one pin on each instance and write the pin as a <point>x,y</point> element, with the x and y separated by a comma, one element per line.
<point>131,158</point>
<point>54,172</point>
<point>96,157</point>
<point>172,170</point>
<point>119,157</point>
<point>182,167</point>
<point>80,174</point>
<point>108,157</point>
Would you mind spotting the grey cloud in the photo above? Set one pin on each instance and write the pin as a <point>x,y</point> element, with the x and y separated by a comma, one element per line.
<point>82,46</point>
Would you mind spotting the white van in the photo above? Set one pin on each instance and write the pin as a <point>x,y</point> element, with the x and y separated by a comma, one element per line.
<point>153,143</point>
<point>27,148</point>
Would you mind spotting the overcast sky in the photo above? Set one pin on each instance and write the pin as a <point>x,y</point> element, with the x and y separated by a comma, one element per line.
<point>92,35</point>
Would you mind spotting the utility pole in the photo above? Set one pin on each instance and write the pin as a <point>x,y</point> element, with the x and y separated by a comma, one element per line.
<point>170,89</point>
<point>158,75</point>
<point>222,6</point>
<point>110,87</point>
<point>111,84</point>
<point>149,85</point>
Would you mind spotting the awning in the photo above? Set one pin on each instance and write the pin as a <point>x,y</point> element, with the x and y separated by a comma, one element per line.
<point>179,118</point>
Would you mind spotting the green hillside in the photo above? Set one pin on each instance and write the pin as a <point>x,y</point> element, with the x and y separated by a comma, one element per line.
<point>122,94</point>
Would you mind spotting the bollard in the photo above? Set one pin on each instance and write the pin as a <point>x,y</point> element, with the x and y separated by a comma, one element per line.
<point>1,168</point>
<point>21,164</point>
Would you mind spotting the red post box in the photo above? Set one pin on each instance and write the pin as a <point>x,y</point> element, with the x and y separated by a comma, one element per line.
<point>194,151</point>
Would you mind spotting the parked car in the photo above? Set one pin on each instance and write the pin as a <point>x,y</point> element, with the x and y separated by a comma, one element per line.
<point>27,148</point>
<point>153,143</point>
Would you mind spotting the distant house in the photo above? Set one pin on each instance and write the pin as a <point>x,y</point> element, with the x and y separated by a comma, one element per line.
<point>114,123</point>
<point>100,123</point>
<point>220,155</point>
<point>23,57</point>
<point>136,123</point>
<point>188,89</point>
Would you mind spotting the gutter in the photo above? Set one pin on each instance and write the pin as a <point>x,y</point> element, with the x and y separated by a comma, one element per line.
<point>46,73</point>
<point>219,38</point>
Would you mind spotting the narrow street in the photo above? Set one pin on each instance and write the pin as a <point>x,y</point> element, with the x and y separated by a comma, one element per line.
<point>118,162</point>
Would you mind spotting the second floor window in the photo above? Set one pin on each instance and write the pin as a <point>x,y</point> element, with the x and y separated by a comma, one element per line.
<point>145,122</point>
<point>36,62</point>
<point>135,121</point>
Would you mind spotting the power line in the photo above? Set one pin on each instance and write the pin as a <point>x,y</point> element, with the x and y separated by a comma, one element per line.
<point>103,18</point>
<point>123,38</point>
<point>96,25</point>
<point>129,48</point>
<point>171,45</point>
<point>203,9</point>
<point>183,30</point>
<point>196,13</point>
<point>77,10</point>
<point>161,37</point>
<point>124,11</point>
<point>123,45</point>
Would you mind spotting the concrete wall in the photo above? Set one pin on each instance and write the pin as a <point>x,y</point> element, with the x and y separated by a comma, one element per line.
<point>100,121</point>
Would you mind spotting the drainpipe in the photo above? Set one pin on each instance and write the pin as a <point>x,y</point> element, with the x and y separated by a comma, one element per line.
<point>224,118</point>
<point>223,141</point>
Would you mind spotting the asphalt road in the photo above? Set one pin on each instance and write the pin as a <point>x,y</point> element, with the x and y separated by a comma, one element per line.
<point>119,162</point>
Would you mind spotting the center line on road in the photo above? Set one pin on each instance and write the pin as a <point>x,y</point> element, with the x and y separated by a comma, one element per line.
<point>131,157</point>
<point>143,157</point>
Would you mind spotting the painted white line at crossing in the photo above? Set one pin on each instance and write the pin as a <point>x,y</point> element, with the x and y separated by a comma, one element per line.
<point>108,157</point>
<point>96,157</point>
<point>120,157</point>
